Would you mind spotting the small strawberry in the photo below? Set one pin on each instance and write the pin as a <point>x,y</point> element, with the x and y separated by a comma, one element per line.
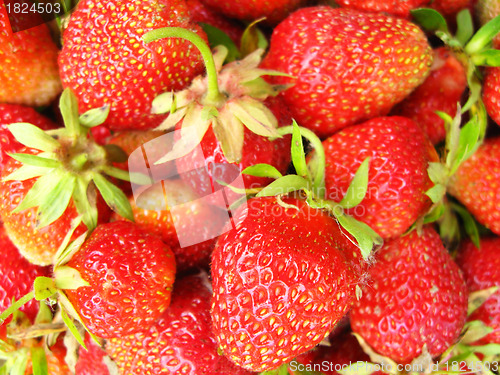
<point>347,66</point>
<point>416,297</point>
<point>441,91</point>
<point>10,113</point>
<point>481,269</point>
<point>28,64</point>
<point>282,278</point>
<point>400,154</point>
<point>475,184</point>
<point>399,8</point>
<point>128,276</point>
<point>274,11</point>
<point>179,342</point>
<point>104,60</point>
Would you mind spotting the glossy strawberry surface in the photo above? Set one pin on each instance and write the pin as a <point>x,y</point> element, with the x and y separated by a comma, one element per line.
<point>399,153</point>
<point>416,296</point>
<point>347,66</point>
<point>130,275</point>
<point>398,8</point>
<point>282,278</point>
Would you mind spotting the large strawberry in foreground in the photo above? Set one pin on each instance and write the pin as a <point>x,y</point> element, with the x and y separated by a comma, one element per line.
<point>282,278</point>
<point>416,297</point>
<point>347,66</point>
<point>105,61</point>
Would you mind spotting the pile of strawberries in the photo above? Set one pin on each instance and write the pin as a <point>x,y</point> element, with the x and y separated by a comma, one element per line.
<point>211,187</point>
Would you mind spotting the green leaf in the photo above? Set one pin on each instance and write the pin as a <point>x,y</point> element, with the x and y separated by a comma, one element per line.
<point>36,161</point>
<point>114,197</point>
<point>82,199</point>
<point>262,170</point>
<point>489,57</point>
<point>44,288</point>
<point>39,361</point>
<point>430,19</point>
<point>20,363</point>
<point>284,185</point>
<point>163,103</point>
<point>68,278</point>
<point>436,193</point>
<point>467,144</point>
<point>470,225</point>
<point>298,154</point>
<point>218,37</point>
<point>68,104</point>
<point>52,208</point>
<point>34,137</point>
<point>483,36</point>
<point>475,88</point>
<point>72,328</point>
<point>94,117</point>
<point>365,236</point>
<point>26,172</point>
<point>435,214</point>
<point>255,116</point>
<point>487,350</point>
<point>465,27</point>
<point>252,39</point>
<point>358,186</point>
<point>66,252</point>
<point>475,330</point>
<point>437,172</point>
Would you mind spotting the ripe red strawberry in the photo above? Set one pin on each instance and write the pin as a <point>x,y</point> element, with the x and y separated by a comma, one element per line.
<point>130,274</point>
<point>491,93</point>
<point>475,184</point>
<point>94,360</point>
<point>348,66</point>
<point>441,91</point>
<point>11,113</point>
<point>196,221</point>
<point>416,296</point>
<point>16,279</point>
<point>28,64</point>
<point>180,341</point>
<point>105,61</point>
<point>282,278</point>
<point>399,154</point>
<point>481,269</point>
<point>274,11</point>
<point>450,7</point>
<point>399,8</point>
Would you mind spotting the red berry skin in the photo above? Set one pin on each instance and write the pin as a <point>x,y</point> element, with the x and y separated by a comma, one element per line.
<point>348,66</point>
<point>282,279</point>
<point>481,268</point>
<point>441,91</point>
<point>105,61</point>
<point>399,154</point>
<point>416,296</point>
<point>93,360</point>
<point>11,113</point>
<point>179,342</point>
<point>130,273</point>
<point>16,279</point>
<point>475,184</point>
<point>399,8</point>
<point>450,7</point>
<point>28,63</point>
<point>491,93</point>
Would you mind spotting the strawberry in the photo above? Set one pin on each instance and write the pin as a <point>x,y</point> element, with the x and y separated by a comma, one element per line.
<point>416,296</point>
<point>93,360</point>
<point>16,279</point>
<point>128,276</point>
<point>10,113</point>
<point>179,342</point>
<point>105,61</point>
<point>28,64</point>
<point>399,8</point>
<point>197,223</point>
<point>491,93</point>
<point>475,184</point>
<point>274,11</point>
<point>321,48</point>
<point>282,278</point>
<point>481,271</point>
<point>441,91</point>
<point>450,7</point>
<point>399,155</point>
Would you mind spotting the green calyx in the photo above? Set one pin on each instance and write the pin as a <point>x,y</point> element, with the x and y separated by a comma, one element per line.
<point>310,180</point>
<point>229,98</point>
<point>70,166</point>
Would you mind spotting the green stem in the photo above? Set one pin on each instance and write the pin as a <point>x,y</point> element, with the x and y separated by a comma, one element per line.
<point>213,94</point>
<point>319,175</point>
<point>16,306</point>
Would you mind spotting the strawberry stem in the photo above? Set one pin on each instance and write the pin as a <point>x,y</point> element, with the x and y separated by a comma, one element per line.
<point>214,96</point>
<point>16,306</point>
